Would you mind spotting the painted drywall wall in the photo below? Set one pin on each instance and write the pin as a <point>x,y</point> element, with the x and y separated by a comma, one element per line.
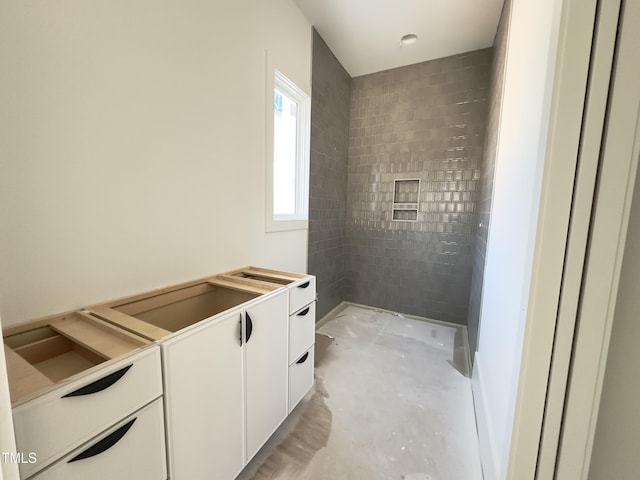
<point>132,145</point>
<point>617,437</point>
<point>512,229</point>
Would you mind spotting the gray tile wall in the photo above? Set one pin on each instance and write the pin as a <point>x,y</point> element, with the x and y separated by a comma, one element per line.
<point>424,121</point>
<point>486,182</point>
<point>331,87</point>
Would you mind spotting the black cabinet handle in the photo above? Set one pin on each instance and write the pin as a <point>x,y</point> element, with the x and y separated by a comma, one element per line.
<point>99,385</point>
<point>303,358</point>
<point>249,326</point>
<point>240,329</point>
<point>303,312</point>
<point>105,444</point>
<point>304,285</point>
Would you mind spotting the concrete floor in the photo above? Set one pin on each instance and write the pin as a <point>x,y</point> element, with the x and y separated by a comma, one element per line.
<point>392,400</point>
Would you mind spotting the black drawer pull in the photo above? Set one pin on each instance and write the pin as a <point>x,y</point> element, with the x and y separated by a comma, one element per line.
<point>303,358</point>
<point>249,326</point>
<point>303,312</point>
<point>304,285</point>
<point>105,444</point>
<point>99,385</point>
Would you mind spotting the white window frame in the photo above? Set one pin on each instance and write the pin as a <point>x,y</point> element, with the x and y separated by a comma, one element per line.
<point>300,219</point>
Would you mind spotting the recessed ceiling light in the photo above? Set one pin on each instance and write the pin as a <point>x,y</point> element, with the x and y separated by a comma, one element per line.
<point>409,39</point>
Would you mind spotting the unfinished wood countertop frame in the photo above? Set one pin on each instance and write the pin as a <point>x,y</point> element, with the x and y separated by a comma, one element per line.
<point>102,333</point>
<point>122,312</point>
<point>53,351</point>
<point>263,276</point>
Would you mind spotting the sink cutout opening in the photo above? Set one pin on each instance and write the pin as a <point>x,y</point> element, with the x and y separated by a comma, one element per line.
<point>263,278</point>
<point>52,354</point>
<point>176,310</point>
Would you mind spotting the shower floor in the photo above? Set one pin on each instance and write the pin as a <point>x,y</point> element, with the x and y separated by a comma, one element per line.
<point>392,400</point>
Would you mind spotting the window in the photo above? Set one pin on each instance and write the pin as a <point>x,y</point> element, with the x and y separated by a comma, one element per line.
<point>287,156</point>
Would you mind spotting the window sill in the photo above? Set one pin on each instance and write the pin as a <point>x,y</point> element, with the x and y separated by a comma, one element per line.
<point>286,225</point>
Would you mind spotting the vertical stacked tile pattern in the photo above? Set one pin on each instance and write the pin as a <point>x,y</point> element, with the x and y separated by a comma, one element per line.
<point>425,121</point>
<point>486,182</point>
<point>331,87</point>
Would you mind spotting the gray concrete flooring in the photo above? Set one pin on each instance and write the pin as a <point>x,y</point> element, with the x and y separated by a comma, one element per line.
<point>392,400</point>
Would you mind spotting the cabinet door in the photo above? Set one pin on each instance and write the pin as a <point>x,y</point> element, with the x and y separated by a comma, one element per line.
<point>266,368</point>
<point>204,398</point>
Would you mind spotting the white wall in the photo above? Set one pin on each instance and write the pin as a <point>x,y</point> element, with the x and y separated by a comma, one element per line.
<point>531,49</point>
<point>132,145</point>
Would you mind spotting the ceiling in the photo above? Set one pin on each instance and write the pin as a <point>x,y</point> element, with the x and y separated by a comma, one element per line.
<point>365,34</point>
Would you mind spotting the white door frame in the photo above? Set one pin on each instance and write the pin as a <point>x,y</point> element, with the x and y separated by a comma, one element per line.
<point>616,182</point>
<point>564,228</point>
<point>8,470</point>
<point>569,67</point>
<point>567,390</point>
<point>583,198</point>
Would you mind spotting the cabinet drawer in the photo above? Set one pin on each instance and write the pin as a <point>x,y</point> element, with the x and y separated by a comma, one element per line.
<point>300,378</point>
<point>302,330</point>
<point>133,449</point>
<point>63,419</point>
<point>302,293</point>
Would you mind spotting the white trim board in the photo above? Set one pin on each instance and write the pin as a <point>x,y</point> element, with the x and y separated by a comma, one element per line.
<point>592,132</point>
<point>574,27</point>
<point>488,450</point>
<point>604,258</point>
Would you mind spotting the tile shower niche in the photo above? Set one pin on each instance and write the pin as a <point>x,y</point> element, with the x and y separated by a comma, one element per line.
<point>406,197</point>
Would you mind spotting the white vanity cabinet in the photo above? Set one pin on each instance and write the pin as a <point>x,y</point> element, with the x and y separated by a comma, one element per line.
<point>225,361</point>
<point>56,422</point>
<point>205,400</point>
<point>301,323</point>
<point>215,379</point>
<point>71,378</point>
<point>212,367</point>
